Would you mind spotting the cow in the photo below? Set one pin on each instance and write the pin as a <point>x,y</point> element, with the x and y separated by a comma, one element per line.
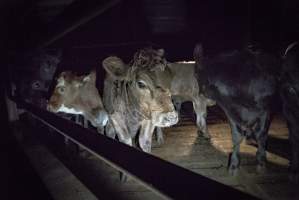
<point>289,92</point>
<point>78,95</point>
<point>242,84</point>
<point>32,74</point>
<point>137,97</point>
<point>184,87</point>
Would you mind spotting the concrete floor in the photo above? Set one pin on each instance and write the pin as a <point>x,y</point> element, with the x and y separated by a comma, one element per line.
<point>183,147</point>
<point>211,159</point>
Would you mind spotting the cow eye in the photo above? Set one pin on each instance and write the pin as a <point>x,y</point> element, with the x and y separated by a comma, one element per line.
<point>141,84</point>
<point>36,85</point>
<point>61,90</point>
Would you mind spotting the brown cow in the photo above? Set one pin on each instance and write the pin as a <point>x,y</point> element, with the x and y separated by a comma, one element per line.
<point>78,95</point>
<point>137,97</point>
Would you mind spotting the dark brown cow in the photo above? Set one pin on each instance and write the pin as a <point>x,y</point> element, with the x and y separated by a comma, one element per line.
<point>78,95</point>
<point>242,83</point>
<point>289,91</point>
<point>137,97</point>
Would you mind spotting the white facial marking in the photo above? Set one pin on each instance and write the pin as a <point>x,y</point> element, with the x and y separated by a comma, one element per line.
<point>186,62</point>
<point>165,119</point>
<point>68,110</point>
<point>60,83</point>
<point>86,78</point>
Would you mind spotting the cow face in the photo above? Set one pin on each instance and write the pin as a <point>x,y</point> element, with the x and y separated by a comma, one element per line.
<point>148,89</point>
<point>152,89</point>
<point>78,95</point>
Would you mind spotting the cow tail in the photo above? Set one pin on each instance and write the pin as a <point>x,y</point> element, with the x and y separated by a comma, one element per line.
<point>198,56</point>
<point>291,46</point>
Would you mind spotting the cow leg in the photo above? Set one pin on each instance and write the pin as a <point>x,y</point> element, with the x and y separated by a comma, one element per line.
<point>294,141</point>
<point>159,135</point>
<point>145,137</point>
<point>77,119</point>
<point>200,109</point>
<point>119,126</point>
<point>85,122</point>
<point>110,131</point>
<point>261,137</point>
<point>294,176</point>
<point>290,111</point>
<point>234,160</point>
<point>177,104</point>
<point>123,135</point>
<point>294,164</point>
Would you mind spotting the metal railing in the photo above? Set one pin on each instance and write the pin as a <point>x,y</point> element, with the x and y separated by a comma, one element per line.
<point>164,178</point>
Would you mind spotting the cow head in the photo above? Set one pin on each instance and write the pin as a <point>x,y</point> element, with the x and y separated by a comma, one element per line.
<point>78,95</point>
<point>146,81</point>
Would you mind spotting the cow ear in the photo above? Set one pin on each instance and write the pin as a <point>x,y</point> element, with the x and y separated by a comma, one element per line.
<point>91,78</point>
<point>115,67</point>
<point>160,52</point>
<point>61,75</point>
<point>198,53</point>
<point>61,78</point>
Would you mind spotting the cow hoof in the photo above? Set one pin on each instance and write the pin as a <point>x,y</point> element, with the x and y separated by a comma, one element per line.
<point>261,169</point>
<point>123,178</point>
<point>233,170</point>
<point>204,135</point>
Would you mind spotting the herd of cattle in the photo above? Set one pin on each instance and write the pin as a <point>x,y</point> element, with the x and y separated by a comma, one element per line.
<point>147,93</point>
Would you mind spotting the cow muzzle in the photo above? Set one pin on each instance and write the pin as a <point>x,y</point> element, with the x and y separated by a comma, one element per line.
<point>51,108</point>
<point>166,119</point>
<point>101,119</point>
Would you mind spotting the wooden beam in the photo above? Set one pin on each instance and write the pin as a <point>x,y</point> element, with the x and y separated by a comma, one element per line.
<point>164,178</point>
<point>75,15</point>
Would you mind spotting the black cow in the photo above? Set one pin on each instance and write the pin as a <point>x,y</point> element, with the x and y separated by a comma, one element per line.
<point>32,74</point>
<point>242,84</point>
<point>289,91</point>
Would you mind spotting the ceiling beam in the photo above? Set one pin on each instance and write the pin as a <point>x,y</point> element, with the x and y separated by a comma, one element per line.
<point>75,15</point>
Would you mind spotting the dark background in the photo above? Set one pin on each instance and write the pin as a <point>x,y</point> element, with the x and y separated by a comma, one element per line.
<point>175,25</point>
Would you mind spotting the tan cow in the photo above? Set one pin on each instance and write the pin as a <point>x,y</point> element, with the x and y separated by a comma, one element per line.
<point>78,95</point>
<point>137,97</point>
<point>184,87</point>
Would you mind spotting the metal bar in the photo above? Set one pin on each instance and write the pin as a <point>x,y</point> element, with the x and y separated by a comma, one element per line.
<point>76,14</point>
<point>168,180</point>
